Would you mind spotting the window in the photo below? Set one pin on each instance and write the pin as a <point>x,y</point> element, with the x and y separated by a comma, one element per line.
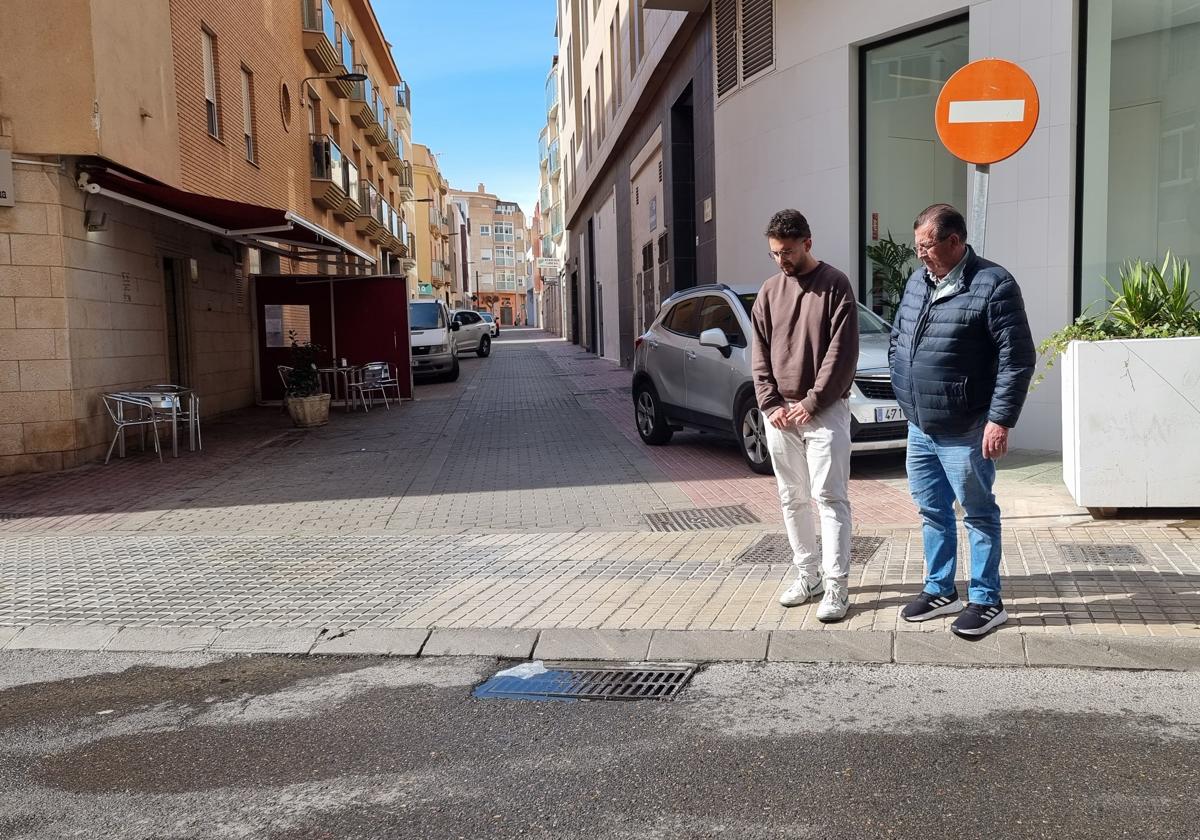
<point>485,254</point>
<point>282,324</point>
<point>504,255</point>
<point>248,115</point>
<point>485,230</point>
<point>209,57</point>
<point>506,281</point>
<point>903,165</point>
<point>614,62</point>
<point>682,318</point>
<point>503,232</point>
<point>716,313</point>
<point>743,41</point>
<point>487,282</point>
<point>1139,193</point>
<point>583,29</point>
<point>636,44</point>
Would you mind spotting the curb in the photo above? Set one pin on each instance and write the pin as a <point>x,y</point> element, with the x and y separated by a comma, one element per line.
<point>1002,649</point>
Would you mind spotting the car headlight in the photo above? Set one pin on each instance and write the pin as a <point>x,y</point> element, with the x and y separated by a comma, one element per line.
<point>442,348</point>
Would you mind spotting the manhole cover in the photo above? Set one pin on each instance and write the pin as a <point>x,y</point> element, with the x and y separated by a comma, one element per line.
<point>1113,554</point>
<point>575,681</point>
<point>699,519</point>
<point>774,548</point>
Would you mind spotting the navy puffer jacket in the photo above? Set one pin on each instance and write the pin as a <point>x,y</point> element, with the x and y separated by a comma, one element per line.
<point>965,358</point>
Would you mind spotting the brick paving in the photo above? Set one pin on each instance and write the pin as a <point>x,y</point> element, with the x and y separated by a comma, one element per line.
<point>516,498</point>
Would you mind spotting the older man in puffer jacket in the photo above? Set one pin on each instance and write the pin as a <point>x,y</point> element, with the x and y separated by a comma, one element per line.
<point>961,359</point>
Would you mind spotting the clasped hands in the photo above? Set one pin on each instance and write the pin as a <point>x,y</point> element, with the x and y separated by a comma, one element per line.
<point>795,415</point>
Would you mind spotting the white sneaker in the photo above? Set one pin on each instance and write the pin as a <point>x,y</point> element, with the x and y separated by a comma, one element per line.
<point>807,584</point>
<point>835,603</point>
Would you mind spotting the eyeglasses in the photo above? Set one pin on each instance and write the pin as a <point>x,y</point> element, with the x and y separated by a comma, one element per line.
<point>926,247</point>
<point>782,254</point>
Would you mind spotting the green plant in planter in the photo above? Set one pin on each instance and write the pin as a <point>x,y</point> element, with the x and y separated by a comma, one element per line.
<point>1152,302</point>
<point>893,259</point>
<point>303,379</point>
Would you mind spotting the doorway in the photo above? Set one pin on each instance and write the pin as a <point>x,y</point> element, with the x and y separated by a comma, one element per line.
<point>175,300</point>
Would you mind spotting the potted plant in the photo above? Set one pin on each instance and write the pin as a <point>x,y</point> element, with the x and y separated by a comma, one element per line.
<point>1131,393</point>
<point>307,405</point>
<point>892,269</point>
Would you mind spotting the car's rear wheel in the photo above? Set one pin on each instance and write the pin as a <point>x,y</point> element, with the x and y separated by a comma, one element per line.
<point>485,347</point>
<point>651,420</point>
<point>752,433</point>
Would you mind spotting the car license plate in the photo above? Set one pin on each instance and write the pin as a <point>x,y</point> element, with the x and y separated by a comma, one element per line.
<point>887,415</point>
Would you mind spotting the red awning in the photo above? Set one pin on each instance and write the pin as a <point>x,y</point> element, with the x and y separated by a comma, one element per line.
<point>249,223</point>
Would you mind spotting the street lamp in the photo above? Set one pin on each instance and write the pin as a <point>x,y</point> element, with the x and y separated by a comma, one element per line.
<point>340,77</point>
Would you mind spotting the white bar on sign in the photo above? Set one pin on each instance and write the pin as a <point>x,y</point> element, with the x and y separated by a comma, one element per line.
<point>987,110</point>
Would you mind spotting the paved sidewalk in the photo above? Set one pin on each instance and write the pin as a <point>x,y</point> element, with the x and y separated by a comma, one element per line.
<point>507,514</point>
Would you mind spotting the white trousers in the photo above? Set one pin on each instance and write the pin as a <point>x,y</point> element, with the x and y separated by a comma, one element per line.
<point>813,462</point>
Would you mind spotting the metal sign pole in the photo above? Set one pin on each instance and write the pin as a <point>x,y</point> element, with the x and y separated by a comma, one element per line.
<point>979,196</point>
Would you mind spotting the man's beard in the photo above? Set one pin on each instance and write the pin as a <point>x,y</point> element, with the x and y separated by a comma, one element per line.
<point>791,270</point>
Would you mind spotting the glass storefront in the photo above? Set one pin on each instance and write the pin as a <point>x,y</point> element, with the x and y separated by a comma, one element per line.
<point>905,168</point>
<point>1141,159</point>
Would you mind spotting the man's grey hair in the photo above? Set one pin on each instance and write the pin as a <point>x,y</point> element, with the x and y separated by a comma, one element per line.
<point>946,220</point>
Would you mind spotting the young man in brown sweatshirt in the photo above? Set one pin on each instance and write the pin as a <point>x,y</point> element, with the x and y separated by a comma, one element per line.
<point>805,352</point>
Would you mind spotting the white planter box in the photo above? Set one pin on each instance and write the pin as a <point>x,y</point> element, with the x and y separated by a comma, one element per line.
<point>1131,422</point>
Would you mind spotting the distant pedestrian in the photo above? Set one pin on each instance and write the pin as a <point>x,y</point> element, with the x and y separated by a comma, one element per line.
<point>805,351</point>
<point>961,359</point>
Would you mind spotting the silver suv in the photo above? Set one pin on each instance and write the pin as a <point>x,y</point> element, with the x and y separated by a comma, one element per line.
<point>692,368</point>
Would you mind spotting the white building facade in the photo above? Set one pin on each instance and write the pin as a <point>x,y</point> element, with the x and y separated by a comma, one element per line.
<point>832,113</point>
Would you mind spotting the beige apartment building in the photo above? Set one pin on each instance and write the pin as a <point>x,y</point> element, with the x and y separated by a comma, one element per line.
<point>497,246</point>
<point>166,182</point>
<point>434,275</point>
<point>553,243</point>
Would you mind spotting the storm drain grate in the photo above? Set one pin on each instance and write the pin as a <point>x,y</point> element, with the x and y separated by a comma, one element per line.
<point>8,516</point>
<point>775,548</point>
<point>699,519</point>
<point>589,392</point>
<point>284,441</point>
<point>532,681</point>
<point>1112,554</point>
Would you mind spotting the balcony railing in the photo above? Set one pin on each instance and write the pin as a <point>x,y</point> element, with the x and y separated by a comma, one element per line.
<point>556,221</point>
<point>545,197</point>
<point>543,148</point>
<point>553,159</point>
<point>363,99</point>
<point>320,34</point>
<point>348,208</point>
<point>405,180</point>
<point>547,246</point>
<point>352,182</point>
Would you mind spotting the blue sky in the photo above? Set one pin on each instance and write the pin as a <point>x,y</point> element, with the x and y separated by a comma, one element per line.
<point>477,69</point>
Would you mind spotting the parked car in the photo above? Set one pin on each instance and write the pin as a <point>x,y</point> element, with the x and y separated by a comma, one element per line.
<point>473,335</point>
<point>691,368</point>
<point>492,322</point>
<point>430,330</point>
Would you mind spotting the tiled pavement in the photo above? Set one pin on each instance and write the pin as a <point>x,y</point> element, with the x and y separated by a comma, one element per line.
<point>516,498</point>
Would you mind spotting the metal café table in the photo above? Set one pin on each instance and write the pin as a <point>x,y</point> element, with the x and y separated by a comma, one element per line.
<point>169,398</point>
<point>329,382</point>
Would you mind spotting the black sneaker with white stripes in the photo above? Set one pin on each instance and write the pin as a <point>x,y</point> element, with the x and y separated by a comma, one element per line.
<point>979,619</point>
<point>931,606</point>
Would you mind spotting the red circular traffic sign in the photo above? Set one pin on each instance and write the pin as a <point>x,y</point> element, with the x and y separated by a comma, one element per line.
<point>987,111</point>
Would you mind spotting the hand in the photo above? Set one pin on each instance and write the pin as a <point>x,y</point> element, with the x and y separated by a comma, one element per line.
<point>778,418</point>
<point>799,415</point>
<point>995,441</point>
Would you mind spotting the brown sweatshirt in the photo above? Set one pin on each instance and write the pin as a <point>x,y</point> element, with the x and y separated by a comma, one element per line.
<point>805,340</point>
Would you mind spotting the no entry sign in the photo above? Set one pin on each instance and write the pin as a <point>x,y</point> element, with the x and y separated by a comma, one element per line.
<point>987,111</point>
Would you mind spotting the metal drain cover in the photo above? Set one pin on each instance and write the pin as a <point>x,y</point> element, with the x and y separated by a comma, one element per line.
<point>699,519</point>
<point>775,548</point>
<point>1112,554</point>
<point>586,681</point>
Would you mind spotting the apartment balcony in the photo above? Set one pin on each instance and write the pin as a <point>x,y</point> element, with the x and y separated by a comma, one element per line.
<point>556,222</point>
<point>409,259</point>
<point>552,96</point>
<point>439,222</point>
<point>377,132</point>
<point>347,211</point>
<point>543,150</point>
<point>404,191</point>
<point>544,197</point>
<point>553,161</point>
<point>327,171</point>
<point>320,35</point>
<point>404,107</point>
<point>367,222</point>
<point>362,101</point>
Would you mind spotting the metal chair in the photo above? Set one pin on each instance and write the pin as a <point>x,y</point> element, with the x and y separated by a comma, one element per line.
<point>144,415</point>
<point>283,371</point>
<point>373,378</point>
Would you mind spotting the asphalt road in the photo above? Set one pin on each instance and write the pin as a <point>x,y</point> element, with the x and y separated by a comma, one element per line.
<point>109,746</point>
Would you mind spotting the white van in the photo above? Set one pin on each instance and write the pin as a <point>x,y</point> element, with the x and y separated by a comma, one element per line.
<point>433,351</point>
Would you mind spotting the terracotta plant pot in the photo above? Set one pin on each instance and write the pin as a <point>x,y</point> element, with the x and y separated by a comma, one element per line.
<point>309,411</point>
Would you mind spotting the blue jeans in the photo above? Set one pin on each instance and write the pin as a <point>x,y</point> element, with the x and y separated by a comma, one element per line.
<point>942,468</point>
